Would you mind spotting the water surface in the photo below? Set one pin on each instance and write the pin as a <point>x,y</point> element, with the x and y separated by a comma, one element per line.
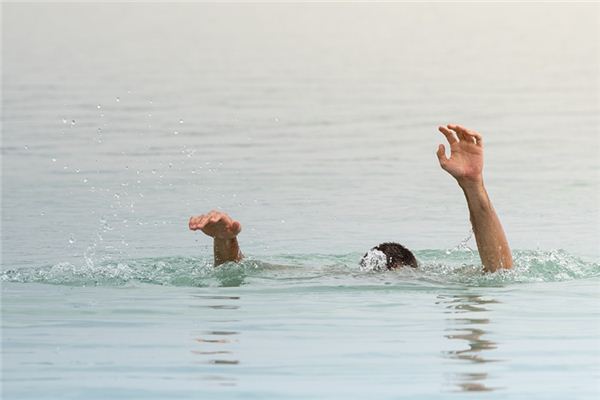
<point>314,125</point>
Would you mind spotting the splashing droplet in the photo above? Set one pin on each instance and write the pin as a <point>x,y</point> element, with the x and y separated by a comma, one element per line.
<point>73,122</point>
<point>98,106</point>
<point>153,172</point>
<point>64,120</point>
<point>26,147</point>
<point>117,99</point>
<point>175,133</point>
<point>85,180</point>
<point>54,160</point>
<point>181,121</point>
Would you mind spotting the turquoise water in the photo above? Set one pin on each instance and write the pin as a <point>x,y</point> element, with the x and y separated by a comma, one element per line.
<point>175,327</point>
<point>314,125</point>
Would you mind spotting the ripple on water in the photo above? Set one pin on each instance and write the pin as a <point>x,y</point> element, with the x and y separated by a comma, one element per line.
<point>437,267</point>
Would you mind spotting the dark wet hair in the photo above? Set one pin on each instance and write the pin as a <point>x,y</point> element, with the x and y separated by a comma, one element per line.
<point>396,255</point>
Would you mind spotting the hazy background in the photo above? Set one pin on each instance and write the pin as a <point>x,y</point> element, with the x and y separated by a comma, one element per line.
<point>313,124</point>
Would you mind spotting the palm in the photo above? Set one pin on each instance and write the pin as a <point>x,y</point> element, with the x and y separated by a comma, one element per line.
<point>216,224</point>
<point>466,153</point>
<point>466,160</point>
<point>221,230</point>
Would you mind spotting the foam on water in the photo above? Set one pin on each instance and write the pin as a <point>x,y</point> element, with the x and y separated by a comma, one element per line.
<point>437,267</point>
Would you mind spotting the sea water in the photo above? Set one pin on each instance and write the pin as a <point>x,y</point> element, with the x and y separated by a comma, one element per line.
<point>315,127</point>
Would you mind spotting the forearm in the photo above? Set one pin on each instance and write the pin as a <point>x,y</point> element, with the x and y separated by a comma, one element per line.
<point>226,250</point>
<point>490,237</point>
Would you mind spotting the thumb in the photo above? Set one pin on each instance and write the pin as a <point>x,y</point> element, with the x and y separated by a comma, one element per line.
<point>441,154</point>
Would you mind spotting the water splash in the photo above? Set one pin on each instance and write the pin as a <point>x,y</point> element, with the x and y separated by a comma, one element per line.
<point>436,268</point>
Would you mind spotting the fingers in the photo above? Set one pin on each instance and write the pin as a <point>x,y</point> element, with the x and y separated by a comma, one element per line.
<point>197,222</point>
<point>236,227</point>
<point>203,221</point>
<point>194,223</point>
<point>213,217</point>
<point>467,134</point>
<point>441,155</point>
<point>450,135</point>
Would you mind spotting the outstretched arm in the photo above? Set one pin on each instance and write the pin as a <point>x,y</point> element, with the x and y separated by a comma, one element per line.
<point>224,231</point>
<point>466,165</point>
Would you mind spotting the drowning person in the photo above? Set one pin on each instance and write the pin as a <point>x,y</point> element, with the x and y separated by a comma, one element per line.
<point>465,165</point>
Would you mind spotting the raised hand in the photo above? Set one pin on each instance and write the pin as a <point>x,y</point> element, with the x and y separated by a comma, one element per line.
<point>216,224</point>
<point>466,154</point>
<point>466,165</point>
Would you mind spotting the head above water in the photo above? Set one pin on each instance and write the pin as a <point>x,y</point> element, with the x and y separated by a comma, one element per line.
<point>388,256</point>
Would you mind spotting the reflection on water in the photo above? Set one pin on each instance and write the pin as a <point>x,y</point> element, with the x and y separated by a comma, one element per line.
<point>472,330</point>
<point>214,344</point>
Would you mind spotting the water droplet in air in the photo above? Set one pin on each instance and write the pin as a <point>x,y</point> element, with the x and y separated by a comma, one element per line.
<point>175,133</point>
<point>54,160</point>
<point>71,240</point>
<point>153,172</point>
<point>26,147</point>
<point>72,122</point>
<point>118,99</point>
<point>181,121</point>
<point>283,221</point>
<point>64,120</point>
<point>85,180</point>
<point>98,106</point>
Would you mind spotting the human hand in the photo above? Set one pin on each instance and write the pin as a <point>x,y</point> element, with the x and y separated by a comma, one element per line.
<point>466,154</point>
<point>216,224</point>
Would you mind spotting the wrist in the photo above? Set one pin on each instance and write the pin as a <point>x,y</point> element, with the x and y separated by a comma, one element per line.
<point>225,241</point>
<point>470,184</point>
